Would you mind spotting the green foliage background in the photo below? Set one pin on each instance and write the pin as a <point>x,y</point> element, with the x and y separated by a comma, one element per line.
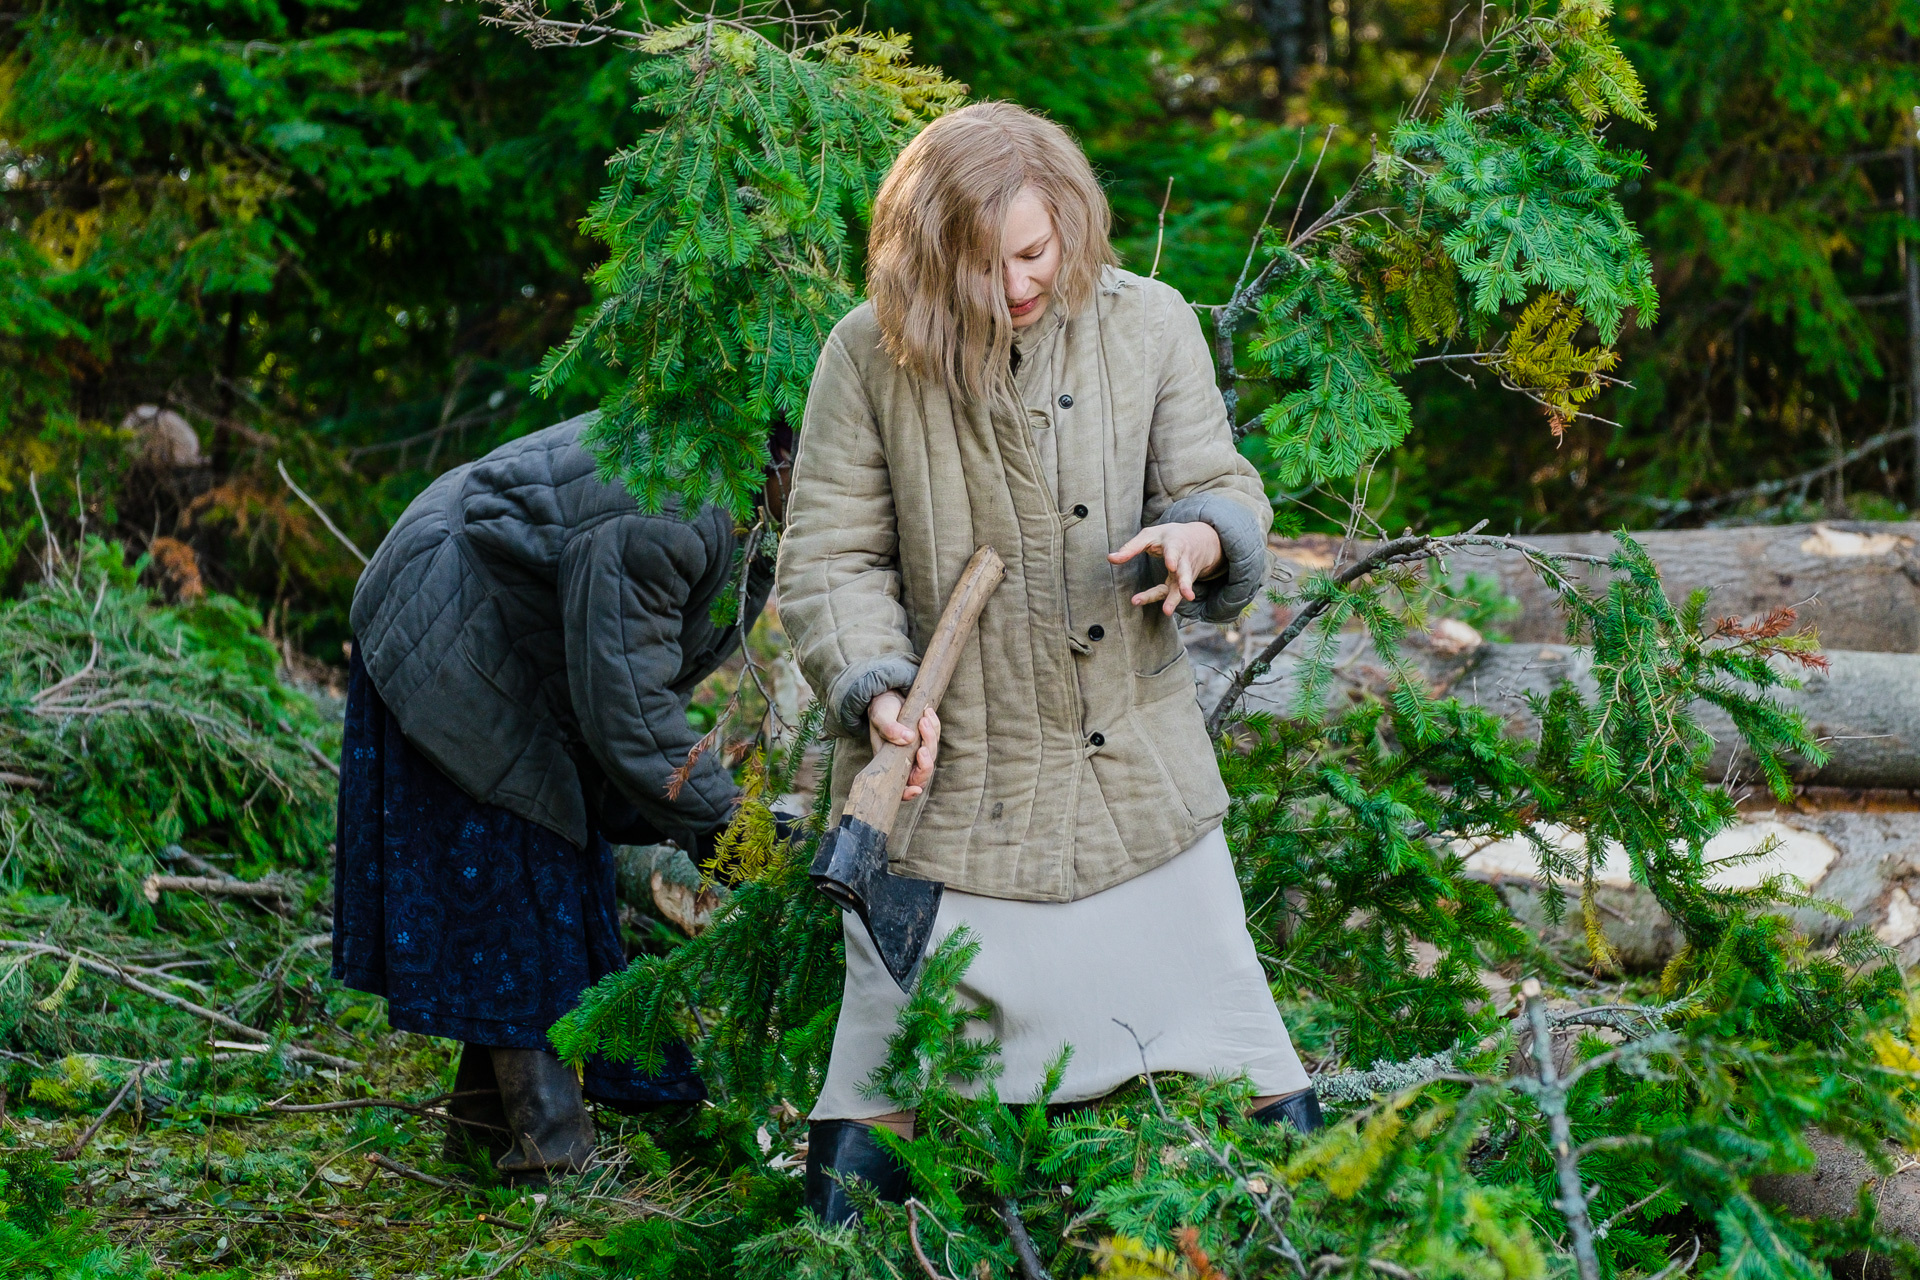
<point>345,237</point>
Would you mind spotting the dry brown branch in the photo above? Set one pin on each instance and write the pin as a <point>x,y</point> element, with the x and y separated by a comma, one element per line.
<point>156,884</point>
<point>107,969</point>
<point>79,1144</point>
<point>313,506</point>
<point>913,1237</point>
<point>55,689</point>
<point>407,1171</point>
<point>21,780</point>
<point>1022,1242</point>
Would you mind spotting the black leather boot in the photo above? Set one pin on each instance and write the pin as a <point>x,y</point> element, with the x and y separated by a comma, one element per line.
<point>476,1120</point>
<point>1301,1110</point>
<point>550,1129</point>
<point>849,1149</point>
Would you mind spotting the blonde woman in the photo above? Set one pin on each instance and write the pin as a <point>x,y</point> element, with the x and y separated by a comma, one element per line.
<point>1008,384</point>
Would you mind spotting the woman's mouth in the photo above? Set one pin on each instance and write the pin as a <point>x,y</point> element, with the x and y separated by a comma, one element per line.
<point>1022,308</point>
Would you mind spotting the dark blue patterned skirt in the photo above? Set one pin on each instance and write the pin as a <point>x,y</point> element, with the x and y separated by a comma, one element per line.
<point>473,922</point>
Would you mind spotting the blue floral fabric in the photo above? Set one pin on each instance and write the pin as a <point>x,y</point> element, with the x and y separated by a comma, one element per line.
<point>473,922</point>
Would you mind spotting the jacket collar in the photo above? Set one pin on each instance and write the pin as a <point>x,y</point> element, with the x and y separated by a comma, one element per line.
<point>1029,340</point>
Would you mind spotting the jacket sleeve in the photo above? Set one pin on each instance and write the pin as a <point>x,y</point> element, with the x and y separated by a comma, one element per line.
<point>838,578</point>
<point>1193,471</point>
<point>624,583</point>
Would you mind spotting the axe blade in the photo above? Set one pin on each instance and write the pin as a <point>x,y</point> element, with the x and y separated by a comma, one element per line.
<point>898,911</point>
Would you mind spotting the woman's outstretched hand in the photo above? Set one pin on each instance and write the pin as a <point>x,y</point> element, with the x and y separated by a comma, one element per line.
<point>883,726</point>
<point>1191,551</point>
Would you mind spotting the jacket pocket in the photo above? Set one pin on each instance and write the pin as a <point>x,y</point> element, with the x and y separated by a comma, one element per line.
<point>1172,676</point>
<point>1168,718</point>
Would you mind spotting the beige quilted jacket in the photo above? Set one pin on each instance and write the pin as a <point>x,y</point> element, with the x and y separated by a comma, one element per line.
<point>1073,754</point>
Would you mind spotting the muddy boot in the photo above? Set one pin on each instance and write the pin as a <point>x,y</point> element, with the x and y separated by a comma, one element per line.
<point>476,1121</point>
<point>550,1129</point>
<point>1301,1110</point>
<point>848,1149</point>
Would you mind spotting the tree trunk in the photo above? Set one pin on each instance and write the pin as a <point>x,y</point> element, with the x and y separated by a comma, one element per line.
<point>1865,709</point>
<point>1857,581</point>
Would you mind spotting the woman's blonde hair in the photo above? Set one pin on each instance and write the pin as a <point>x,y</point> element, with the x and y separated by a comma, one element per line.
<point>933,263</point>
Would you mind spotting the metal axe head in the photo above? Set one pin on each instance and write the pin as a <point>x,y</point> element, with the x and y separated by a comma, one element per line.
<point>898,911</point>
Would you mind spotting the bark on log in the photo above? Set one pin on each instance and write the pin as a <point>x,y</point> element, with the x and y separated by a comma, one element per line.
<point>1865,709</point>
<point>1857,581</point>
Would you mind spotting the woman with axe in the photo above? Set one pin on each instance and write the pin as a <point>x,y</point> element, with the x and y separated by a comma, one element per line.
<point>1008,386</point>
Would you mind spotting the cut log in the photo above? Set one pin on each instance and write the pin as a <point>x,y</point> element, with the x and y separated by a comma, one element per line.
<point>1859,851</point>
<point>1857,581</point>
<point>1861,855</point>
<point>1865,709</point>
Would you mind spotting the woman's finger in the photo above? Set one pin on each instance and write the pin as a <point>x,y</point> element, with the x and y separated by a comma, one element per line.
<point>1151,594</point>
<point>1148,539</point>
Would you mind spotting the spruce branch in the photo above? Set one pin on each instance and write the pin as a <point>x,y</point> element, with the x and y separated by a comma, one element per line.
<point>1398,551</point>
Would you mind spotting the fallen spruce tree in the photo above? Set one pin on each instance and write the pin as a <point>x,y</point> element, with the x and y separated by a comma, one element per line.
<point>1596,1128</point>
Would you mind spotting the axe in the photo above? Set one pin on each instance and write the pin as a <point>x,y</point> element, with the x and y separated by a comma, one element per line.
<point>851,864</point>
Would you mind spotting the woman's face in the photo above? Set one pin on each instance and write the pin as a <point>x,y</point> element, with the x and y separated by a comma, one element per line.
<point>1029,257</point>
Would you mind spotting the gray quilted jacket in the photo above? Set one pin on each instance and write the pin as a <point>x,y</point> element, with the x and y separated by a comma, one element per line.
<point>538,638</point>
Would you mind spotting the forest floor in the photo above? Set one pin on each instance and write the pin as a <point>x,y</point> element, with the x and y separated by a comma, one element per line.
<point>142,1135</point>
<point>213,1156</point>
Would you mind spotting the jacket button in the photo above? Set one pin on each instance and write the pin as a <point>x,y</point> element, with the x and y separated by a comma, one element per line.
<point>1098,740</point>
<point>1080,510</point>
<point>1096,632</point>
<point>1066,401</point>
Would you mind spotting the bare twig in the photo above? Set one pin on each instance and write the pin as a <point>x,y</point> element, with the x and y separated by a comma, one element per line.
<point>194,862</point>
<point>1767,488</point>
<point>533,1238</point>
<point>407,1171</point>
<point>155,885</point>
<point>1022,1242</point>
<point>913,1238</point>
<point>1551,1097</point>
<point>1440,60</point>
<point>52,555</point>
<point>1160,235</point>
<point>79,1144</point>
<point>59,687</point>
<point>107,969</point>
<point>326,520</point>
<point>1307,190</point>
<point>21,780</point>
<point>1253,246</point>
<point>1400,550</point>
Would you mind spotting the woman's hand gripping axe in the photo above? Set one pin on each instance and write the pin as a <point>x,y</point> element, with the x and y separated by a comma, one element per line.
<point>851,865</point>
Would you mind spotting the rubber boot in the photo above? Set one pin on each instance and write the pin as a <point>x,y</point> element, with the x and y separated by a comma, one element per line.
<point>476,1120</point>
<point>849,1149</point>
<point>551,1131</point>
<point>1301,1110</point>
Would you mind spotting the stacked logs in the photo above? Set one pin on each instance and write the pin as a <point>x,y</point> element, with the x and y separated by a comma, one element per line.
<point>1852,834</point>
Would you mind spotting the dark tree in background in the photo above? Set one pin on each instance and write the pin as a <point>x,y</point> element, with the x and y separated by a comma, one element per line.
<point>335,236</point>
<point>341,236</point>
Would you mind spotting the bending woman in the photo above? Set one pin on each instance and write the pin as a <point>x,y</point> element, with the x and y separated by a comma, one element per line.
<point>1008,385</point>
<point>528,639</point>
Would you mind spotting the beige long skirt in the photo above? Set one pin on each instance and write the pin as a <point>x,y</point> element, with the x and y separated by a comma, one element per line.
<point>1166,953</point>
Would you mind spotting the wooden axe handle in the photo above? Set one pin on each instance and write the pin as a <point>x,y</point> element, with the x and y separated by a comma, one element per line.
<point>875,795</point>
